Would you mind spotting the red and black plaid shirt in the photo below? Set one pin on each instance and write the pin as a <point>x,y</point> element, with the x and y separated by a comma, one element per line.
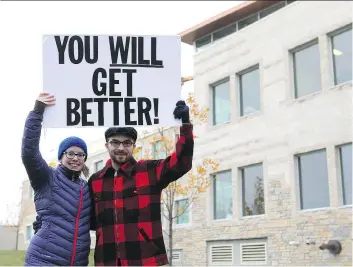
<point>127,206</point>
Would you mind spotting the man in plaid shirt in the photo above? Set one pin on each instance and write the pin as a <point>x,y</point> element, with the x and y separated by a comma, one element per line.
<point>126,207</point>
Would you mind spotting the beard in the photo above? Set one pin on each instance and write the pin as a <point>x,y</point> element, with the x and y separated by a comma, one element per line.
<point>119,157</point>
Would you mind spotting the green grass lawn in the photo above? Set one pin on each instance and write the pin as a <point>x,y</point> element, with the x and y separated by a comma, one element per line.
<point>17,257</point>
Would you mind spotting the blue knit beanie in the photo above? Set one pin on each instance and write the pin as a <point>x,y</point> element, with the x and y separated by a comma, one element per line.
<point>69,142</point>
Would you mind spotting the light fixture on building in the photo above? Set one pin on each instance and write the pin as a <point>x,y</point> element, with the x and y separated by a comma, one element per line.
<point>294,243</point>
<point>333,246</point>
<point>337,52</point>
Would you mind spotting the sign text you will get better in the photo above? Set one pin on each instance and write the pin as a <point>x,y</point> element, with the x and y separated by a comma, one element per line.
<point>111,80</point>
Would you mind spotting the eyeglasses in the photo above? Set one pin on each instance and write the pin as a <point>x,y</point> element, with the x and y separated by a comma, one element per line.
<point>71,155</point>
<point>116,143</point>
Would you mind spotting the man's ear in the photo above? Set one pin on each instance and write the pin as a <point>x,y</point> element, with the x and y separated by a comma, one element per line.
<point>134,146</point>
<point>106,146</point>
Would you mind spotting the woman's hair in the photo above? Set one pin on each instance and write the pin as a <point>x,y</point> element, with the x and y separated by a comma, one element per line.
<point>85,170</point>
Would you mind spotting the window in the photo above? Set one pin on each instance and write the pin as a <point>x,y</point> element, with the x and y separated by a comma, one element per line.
<point>249,91</point>
<point>341,44</point>
<point>221,103</point>
<point>224,32</point>
<point>29,232</point>
<point>252,182</point>
<point>203,41</point>
<point>159,150</point>
<point>306,67</point>
<point>181,207</point>
<point>272,9</point>
<point>98,165</point>
<point>222,195</point>
<point>313,180</point>
<point>345,159</point>
<point>247,21</point>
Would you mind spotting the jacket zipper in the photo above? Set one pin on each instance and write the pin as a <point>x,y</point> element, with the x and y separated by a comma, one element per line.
<point>76,228</point>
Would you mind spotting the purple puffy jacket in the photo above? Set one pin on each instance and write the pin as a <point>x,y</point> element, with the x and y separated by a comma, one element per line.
<point>62,202</point>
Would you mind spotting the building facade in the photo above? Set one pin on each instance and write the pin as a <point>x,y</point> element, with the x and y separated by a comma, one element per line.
<point>277,76</point>
<point>8,235</point>
<point>27,216</point>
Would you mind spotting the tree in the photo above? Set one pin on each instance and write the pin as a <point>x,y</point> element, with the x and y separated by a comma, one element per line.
<point>259,201</point>
<point>17,212</point>
<point>190,186</point>
<point>258,206</point>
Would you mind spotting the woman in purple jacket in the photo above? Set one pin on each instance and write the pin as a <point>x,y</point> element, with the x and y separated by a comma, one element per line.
<point>62,198</point>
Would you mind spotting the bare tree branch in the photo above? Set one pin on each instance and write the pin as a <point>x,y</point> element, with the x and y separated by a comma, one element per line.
<point>164,231</point>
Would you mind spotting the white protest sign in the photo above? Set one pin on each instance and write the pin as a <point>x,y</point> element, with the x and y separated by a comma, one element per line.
<point>111,80</point>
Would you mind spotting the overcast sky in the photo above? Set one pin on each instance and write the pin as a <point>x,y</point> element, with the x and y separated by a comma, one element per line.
<point>22,25</point>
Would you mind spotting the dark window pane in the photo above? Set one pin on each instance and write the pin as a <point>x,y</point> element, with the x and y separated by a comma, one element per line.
<point>313,179</point>
<point>224,32</point>
<point>222,196</point>
<point>249,92</point>
<point>253,190</point>
<point>221,103</point>
<point>203,41</point>
<point>342,56</point>
<point>307,75</point>
<point>247,21</point>
<point>272,9</point>
<point>345,152</point>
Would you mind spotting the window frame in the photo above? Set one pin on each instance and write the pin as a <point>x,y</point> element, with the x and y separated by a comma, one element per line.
<point>236,22</point>
<point>292,52</point>
<point>241,189</point>
<point>239,92</point>
<point>213,194</point>
<point>340,176</point>
<point>154,150</point>
<point>213,99</point>
<point>332,67</point>
<point>95,164</point>
<point>298,176</point>
<point>181,225</point>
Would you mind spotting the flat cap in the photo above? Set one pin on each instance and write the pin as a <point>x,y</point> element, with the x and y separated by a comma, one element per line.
<point>126,131</point>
